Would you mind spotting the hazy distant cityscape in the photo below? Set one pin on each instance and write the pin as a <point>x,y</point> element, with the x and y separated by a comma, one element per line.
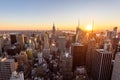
<point>59,55</point>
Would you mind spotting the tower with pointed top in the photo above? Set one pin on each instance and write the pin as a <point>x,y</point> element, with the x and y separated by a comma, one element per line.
<point>54,28</point>
<point>77,28</point>
<point>77,32</point>
<point>46,41</point>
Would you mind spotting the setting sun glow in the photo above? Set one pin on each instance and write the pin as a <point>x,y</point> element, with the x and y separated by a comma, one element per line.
<point>89,28</point>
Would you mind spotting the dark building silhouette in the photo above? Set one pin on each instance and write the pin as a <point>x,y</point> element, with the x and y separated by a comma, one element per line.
<point>13,38</point>
<point>79,55</point>
<point>54,29</point>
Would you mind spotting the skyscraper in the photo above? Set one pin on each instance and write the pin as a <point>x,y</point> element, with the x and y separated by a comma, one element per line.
<point>77,38</point>
<point>89,55</point>
<point>66,65</point>
<point>116,68</point>
<point>54,29</point>
<point>13,38</point>
<point>6,68</point>
<point>102,65</point>
<point>46,41</point>
<point>61,43</point>
<point>79,55</point>
<point>1,42</point>
<point>46,50</point>
<point>20,39</point>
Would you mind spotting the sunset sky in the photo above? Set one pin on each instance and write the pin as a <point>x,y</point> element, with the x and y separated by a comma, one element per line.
<point>41,14</point>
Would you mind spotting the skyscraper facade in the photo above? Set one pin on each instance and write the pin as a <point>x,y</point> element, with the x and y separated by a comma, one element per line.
<point>6,68</point>
<point>79,55</point>
<point>102,65</point>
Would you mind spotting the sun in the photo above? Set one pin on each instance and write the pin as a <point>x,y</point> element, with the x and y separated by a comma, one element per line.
<point>89,28</point>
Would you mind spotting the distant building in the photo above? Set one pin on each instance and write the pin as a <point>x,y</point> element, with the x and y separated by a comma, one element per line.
<point>115,32</point>
<point>116,68</point>
<point>61,41</point>
<point>102,65</point>
<point>20,40</point>
<point>54,29</point>
<point>1,44</point>
<point>46,53</point>
<point>66,65</point>
<point>13,38</point>
<point>53,47</point>
<point>66,62</point>
<point>29,53</point>
<point>46,41</point>
<point>109,34</point>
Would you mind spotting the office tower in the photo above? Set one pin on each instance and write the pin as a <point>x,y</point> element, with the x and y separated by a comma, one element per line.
<point>89,55</point>
<point>61,41</point>
<point>77,28</point>
<point>66,65</point>
<point>13,38</point>
<point>32,43</point>
<point>20,39</point>
<point>77,34</point>
<point>6,68</point>
<point>53,47</point>
<point>114,32</point>
<point>79,55</point>
<point>46,50</point>
<point>29,53</point>
<point>1,43</point>
<point>102,65</point>
<point>107,45</point>
<point>54,30</point>
<point>66,62</point>
<point>25,39</point>
<point>46,41</point>
<point>116,68</point>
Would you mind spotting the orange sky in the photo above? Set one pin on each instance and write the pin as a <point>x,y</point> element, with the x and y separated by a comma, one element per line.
<point>49,27</point>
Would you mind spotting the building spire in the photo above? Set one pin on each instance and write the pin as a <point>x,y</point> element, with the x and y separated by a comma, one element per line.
<point>78,23</point>
<point>53,24</point>
<point>92,25</point>
<point>78,27</point>
<point>54,28</point>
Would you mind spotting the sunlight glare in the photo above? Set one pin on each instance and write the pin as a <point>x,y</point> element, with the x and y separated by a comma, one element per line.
<point>89,28</point>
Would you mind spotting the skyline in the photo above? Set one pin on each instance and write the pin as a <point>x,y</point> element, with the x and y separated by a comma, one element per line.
<point>41,14</point>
